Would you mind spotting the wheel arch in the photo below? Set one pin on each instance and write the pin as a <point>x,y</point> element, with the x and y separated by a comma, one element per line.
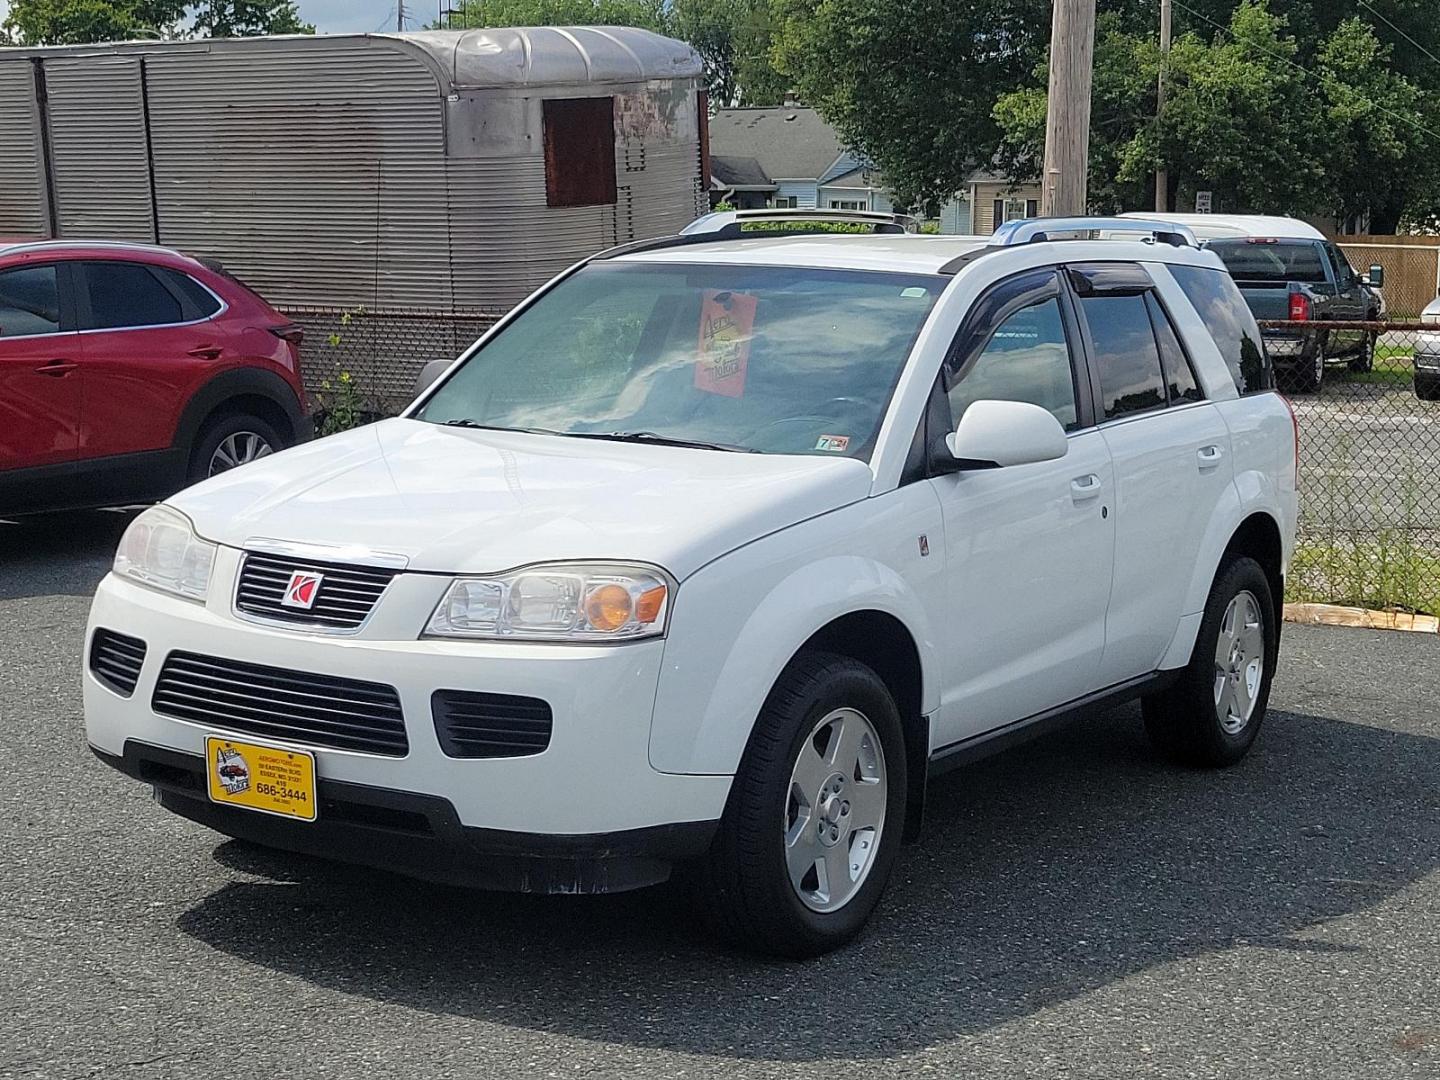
<point>251,391</point>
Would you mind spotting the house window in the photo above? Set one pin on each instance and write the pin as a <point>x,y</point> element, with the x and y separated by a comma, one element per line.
<point>786,202</point>
<point>579,151</point>
<point>847,204</point>
<point>1013,209</point>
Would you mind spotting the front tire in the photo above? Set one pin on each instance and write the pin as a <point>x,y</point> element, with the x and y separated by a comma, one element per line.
<point>813,823</point>
<point>1427,388</point>
<point>1212,714</point>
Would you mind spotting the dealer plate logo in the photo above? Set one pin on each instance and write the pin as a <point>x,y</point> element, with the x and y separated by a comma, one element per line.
<point>303,589</point>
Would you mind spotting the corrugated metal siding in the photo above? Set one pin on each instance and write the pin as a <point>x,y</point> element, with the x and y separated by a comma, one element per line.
<point>804,191</point>
<point>22,182</point>
<point>97,140</point>
<point>317,175</point>
<point>955,217</point>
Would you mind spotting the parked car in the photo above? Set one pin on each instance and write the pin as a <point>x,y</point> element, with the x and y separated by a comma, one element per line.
<point>1288,270</point>
<point>712,551</point>
<point>1427,355</point>
<point>127,372</point>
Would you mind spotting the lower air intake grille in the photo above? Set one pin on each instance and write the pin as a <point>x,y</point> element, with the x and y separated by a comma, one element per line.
<point>476,725</point>
<point>321,710</point>
<point>116,659</point>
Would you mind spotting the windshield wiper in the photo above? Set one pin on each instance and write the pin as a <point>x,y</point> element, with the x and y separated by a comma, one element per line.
<point>466,422</point>
<point>659,440</point>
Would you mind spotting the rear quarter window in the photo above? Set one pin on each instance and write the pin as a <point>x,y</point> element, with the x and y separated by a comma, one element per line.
<point>1217,300</point>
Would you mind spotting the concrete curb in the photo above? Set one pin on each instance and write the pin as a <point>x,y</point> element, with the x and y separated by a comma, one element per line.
<point>1334,615</point>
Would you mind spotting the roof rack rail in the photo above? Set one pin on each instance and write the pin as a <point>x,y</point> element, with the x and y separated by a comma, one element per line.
<point>729,225</point>
<point>1039,230</point>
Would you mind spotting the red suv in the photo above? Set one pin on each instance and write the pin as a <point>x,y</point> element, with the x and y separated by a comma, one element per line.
<point>128,372</point>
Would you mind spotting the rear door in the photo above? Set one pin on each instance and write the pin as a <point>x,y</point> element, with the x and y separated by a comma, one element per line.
<point>39,367</point>
<point>1170,450</point>
<point>148,343</point>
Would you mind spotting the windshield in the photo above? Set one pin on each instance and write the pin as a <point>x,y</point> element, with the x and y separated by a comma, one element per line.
<point>780,360</point>
<point>1270,260</point>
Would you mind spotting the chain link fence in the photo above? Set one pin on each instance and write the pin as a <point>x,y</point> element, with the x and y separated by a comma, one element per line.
<point>1369,532</point>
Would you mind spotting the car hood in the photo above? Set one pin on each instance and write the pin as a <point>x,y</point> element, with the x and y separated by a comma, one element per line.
<point>456,500</point>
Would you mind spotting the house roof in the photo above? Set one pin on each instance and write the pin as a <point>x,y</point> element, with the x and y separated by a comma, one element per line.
<point>739,172</point>
<point>790,143</point>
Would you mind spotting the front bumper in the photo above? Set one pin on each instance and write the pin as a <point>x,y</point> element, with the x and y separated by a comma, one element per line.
<point>593,779</point>
<point>421,836</point>
<point>1427,353</point>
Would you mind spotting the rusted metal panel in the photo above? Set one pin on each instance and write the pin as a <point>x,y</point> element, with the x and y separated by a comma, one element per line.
<point>22,179</point>
<point>579,138</point>
<point>101,172</point>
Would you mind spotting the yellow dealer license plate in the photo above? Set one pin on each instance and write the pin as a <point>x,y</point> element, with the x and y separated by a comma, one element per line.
<point>270,779</point>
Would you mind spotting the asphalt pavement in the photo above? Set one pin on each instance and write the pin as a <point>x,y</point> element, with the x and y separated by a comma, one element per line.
<point>1076,909</point>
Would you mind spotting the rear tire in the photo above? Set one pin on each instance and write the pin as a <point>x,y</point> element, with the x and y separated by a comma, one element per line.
<point>1309,374</point>
<point>800,804</point>
<point>1213,712</point>
<point>229,442</point>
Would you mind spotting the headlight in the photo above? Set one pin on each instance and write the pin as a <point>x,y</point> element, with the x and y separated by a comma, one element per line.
<point>559,602</point>
<point>160,549</point>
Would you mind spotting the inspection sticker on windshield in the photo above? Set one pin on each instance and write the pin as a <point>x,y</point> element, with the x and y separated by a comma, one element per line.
<point>835,443</point>
<point>726,321</point>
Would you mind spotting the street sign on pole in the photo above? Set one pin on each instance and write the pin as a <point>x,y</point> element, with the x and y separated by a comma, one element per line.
<point>1202,202</point>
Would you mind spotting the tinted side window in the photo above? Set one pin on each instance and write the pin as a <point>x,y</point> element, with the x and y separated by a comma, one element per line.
<point>29,301</point>
<point>128,294</point>
<point>1222,309</point>
<point>1179,377</point>
<point>1125,354</point>
<point>200,299</point>
<point>1026,359</point>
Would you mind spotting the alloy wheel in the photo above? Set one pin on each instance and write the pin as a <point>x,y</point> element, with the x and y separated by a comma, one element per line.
<point>238,449</point>
<point>835,812</point>
<point>1239,662</point>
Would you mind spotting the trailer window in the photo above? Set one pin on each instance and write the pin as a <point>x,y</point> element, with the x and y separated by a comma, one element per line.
<point>580,151</point>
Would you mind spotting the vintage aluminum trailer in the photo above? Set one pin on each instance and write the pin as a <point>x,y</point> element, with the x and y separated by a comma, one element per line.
<point>443,171</point>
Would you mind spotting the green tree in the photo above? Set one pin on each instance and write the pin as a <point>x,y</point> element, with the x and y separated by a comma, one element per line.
<point>248,18</point>
<point>734,38</point>
<point>79,22</point>
<point>646,14</point>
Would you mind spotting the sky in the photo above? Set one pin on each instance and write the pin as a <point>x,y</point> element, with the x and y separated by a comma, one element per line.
<point>337,16</point>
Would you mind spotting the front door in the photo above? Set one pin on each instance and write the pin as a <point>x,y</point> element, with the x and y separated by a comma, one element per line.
<point>39,370</point>
<point>1028,548</point>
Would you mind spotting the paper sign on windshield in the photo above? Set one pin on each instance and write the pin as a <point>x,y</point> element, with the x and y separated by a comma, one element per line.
<point>726,321</point>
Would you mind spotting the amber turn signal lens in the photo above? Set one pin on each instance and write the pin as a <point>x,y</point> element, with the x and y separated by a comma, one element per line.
<point>647,609</point>
<point>608,607</point>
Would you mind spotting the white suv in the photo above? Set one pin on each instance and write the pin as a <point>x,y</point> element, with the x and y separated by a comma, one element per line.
<point>710,553</point>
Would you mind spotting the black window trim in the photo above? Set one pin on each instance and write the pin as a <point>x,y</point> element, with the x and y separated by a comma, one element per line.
<point>66,292</point>
<point>1154,298</point>
<point>85,317</point>
<point>997,303</point>
<point>1132,286</point>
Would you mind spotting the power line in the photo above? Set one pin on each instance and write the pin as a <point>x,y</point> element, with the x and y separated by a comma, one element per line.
<point>1302,69</point>
<point>1397,30</point>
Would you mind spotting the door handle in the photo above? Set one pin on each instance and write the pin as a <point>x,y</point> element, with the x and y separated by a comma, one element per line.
<point>1085,487</point>
<point>57,369</point>
<point>1209,456</point>
<point>206,352</point>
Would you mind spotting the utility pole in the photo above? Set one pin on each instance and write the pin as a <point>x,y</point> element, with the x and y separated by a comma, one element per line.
<point>399,16</point>
<point>1162,175</point>
<point>1067,125</point>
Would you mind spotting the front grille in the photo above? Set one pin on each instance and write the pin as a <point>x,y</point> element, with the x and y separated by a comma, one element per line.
<point>322,710</point>
<point>476,725</point>
<point>116,660</point>
<point>345,597</point>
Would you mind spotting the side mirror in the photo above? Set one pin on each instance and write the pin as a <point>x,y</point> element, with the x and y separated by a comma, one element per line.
<point>995,434</point>
<point>1376,277</point>
<point>429,373</point>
